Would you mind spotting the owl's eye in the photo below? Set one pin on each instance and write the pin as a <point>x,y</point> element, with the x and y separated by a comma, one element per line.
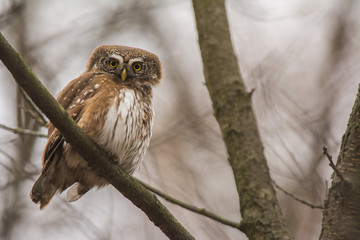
<point>137,67</point>
<point>113,63</point>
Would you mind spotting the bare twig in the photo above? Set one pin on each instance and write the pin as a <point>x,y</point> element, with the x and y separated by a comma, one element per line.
<point>35,113</point>
<point>23,131</point>
<point>297,198</point>
<point>332,165</point>
<point>190,207</point>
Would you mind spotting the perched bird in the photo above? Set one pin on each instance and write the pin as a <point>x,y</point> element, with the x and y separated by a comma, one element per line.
<point>111,102</point>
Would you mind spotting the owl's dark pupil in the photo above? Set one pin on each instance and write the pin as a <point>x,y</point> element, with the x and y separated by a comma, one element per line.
<point>137,66</point>
<point>113,63</point>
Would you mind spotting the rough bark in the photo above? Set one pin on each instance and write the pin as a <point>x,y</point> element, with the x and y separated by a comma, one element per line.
<point>341,219</point>
<point>123,182</point>
<point>260,209</point>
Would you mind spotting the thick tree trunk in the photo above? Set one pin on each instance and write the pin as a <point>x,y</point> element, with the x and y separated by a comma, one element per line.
<point>341,218</point>
<point>260,209</point>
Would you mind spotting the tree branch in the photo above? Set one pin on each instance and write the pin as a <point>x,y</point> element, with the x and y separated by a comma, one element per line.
<point>192,208</point>
<point>122,181</point>
<point>331,164</point>
<point>34,111</point>
<point>297,198</point>
<point>259,206</point>
<point>23,131</point>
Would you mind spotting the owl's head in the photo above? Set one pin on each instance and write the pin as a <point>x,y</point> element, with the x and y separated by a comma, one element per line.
<point>130,65</point>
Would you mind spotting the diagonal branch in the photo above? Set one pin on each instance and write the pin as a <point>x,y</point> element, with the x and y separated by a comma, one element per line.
<point>201,211</point>
<point>332,164</point>
<point>297,198</point>
<point>122,181</point>
<point>34,111</point>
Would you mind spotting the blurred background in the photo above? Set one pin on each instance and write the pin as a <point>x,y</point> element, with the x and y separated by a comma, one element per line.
<point>300,57</point>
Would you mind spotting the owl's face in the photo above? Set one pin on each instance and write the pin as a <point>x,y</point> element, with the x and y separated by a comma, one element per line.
<point>130,65</point>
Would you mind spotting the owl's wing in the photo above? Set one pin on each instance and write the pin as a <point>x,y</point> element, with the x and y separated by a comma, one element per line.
<point>87,103</point>
<point>44,188</point>
<point>56,139</point>
<point>67,96</point>
<point>69,99</point>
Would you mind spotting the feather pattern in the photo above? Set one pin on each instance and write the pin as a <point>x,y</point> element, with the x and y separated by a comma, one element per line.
<point>112,104</point>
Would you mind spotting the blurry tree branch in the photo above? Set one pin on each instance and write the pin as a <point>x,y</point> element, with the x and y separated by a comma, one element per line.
<point>23,131</point>
<point>122,181</point>
<point>34,111</point>
<point>260,210</point>
<point>14,7</point>
<point>341,218</point>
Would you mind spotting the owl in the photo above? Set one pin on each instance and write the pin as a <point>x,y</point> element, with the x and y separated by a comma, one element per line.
<point>112,102</point>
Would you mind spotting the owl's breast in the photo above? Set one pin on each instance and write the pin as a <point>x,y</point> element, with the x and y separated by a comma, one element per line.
<point>127,129</point>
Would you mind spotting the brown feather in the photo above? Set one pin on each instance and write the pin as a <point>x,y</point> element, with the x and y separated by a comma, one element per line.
<point>116,114</point>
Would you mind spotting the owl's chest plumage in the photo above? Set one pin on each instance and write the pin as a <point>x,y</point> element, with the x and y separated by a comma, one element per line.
<point>111,103</point>
<point>117,117</point>
<point>126,129</point>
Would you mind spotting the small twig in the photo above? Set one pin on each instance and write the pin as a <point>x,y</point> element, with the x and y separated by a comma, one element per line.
<point>40,117</point>
<point>297,198</point>
<point>332,165</point>
<point>192,208</point>
<point>33,114</point>
<point>23,131</point>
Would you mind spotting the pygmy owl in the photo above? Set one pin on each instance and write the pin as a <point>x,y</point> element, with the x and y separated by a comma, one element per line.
<point>111,102</point>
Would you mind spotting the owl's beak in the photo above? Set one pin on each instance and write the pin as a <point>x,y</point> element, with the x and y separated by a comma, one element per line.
<point>123,74</point>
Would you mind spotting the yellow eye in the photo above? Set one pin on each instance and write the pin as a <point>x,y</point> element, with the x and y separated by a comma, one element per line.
<point>113,63</point>
<point>137,66</point>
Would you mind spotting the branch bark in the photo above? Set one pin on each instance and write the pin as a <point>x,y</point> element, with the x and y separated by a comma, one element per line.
<point>260,209</point>
<point>122,181</point>
<point>341,219</point>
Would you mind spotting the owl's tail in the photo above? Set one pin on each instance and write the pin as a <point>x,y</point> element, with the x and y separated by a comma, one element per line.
<point>42,191</point>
